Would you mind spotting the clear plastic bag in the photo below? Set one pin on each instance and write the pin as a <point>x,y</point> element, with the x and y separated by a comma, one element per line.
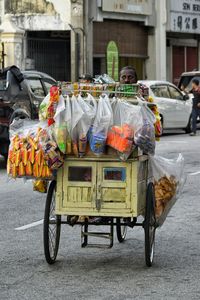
<point>126,118</point>
<point>62,126</point>
<point>99,130</point>
<point>145,135</point>
<point>169,179</point>
<point>89,107</point>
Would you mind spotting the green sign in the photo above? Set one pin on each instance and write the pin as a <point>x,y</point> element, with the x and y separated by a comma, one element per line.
<point>113,60</point>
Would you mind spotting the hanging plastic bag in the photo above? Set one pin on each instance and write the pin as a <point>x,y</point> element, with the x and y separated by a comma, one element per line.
<point>126,118</point>
<point>26,157</point>
<point>77,114</point>
<point>62,126</point>
<point>168,176</point>
<point>89,107</point>
<point>99,130</point>
<point>145,135</point>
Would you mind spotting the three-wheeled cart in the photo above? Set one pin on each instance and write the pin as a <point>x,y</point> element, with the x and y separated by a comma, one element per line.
<point>114,191</point>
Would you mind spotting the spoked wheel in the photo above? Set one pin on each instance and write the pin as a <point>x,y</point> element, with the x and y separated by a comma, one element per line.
<point>150,225</point>
<point>121,231</point>
<point>52,226</point>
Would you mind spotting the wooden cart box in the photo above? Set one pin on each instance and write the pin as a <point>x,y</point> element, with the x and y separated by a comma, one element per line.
<point>102,187</point>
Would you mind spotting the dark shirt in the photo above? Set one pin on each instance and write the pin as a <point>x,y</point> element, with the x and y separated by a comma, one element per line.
<point>196,98</point>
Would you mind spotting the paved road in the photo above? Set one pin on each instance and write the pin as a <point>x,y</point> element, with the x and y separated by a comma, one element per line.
<point>118,273</point>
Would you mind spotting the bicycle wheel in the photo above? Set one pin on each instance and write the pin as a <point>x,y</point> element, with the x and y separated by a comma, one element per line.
<point>52,226</point>
<point>150,225</point>
<point>121,231</point>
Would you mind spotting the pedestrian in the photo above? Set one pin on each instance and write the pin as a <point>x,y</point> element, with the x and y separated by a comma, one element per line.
<point>196,105</point>
<point>128,75</point>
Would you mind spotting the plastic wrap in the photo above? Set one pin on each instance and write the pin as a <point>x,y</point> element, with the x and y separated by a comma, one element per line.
<point>145,135</point>
<point>126,118</point>
<point>168,176</point>
<point>99,130</point>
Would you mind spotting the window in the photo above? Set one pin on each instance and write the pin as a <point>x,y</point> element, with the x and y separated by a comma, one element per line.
<point>36,87</point>
<point>175,94</point>
<point>116,174</point>
<point>3,84</point>
<point>80,174</point>
<point>161,91</point>
<point>48,83</point>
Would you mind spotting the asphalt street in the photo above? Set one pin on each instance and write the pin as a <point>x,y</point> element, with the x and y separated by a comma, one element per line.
<point>118,273</point>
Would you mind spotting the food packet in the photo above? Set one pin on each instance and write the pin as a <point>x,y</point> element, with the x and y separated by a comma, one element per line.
<point>40,186</point>
<point>62,126</point>
<point>168,177</point>
<point>126,117</point>
<point>102,122</point>
<point>89,107</point>
<point>144,136</point>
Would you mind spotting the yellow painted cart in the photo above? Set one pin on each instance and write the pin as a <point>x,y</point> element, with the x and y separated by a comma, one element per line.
<point>93,191</point>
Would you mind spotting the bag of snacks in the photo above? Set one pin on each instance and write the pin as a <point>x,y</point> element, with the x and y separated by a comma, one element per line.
<point>102,121</point>
<point>168,177</point>
<point>145,135</point>
<point>89,107</point>
<point>77,114</point>
<point>40,186</point>
<point>126,118</point>
<point>62,125</point>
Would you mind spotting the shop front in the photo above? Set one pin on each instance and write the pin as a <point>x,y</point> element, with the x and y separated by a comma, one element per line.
<point>131,39</point>
<point>183,36</point>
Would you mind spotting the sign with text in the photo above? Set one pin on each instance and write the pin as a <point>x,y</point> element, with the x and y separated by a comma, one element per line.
<point>185,16</point>
<point>142,7</point>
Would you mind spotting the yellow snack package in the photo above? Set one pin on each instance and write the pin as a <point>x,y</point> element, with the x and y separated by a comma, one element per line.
<point>40,186</point>
<point>21,169</point>
<point>14,171</point>
<point>29,168</point>
<point>17,158</point>
<point>36,170</point>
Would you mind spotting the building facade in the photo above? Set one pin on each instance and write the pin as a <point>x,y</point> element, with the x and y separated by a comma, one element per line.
<point>72,37</point>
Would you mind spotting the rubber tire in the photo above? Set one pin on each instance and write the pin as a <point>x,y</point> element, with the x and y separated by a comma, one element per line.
<point>150,225</point>
<point>50,260</point>
<point>188,129</point>
<point>120,236</point>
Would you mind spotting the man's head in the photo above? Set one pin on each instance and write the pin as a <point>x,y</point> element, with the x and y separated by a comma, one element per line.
<point>128,75</point>
<point>195,83</point>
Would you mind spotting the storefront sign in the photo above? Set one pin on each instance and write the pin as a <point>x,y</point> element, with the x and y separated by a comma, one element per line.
<point>113,60</point>
<point>185,16</point>
<point>142,7</point>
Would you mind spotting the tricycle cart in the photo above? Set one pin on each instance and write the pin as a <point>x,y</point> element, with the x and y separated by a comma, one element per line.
<point>114,191</point>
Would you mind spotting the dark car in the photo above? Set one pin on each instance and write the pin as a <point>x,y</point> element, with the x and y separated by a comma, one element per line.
<point>21,93</point>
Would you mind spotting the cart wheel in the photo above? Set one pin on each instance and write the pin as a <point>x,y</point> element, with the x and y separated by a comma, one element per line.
<point>52,226</point>
<point>121,231</point>
<point>150,225</point>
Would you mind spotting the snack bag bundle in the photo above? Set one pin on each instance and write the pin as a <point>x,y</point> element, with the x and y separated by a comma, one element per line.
<point>26,157</point>
<point>40,186</point>
<point>157,124</point>
<point>168,182</point>
<point>83,114</point>
<point>145,135</point>
<point>53,103</point>
<point>102,121</point>
<point>126,118</point>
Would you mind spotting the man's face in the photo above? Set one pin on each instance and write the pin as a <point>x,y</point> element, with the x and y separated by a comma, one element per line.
<point>128,76</point>
<point>194,86</point>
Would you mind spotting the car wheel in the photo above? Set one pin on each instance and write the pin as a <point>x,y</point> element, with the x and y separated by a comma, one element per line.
<point>188,129</point>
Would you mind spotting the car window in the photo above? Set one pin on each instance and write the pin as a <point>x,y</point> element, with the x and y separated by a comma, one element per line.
<point>48,83</point>
<point>36,87</point>
<point>3,83</point>
<point>175,94</point>
<point>161,91</point>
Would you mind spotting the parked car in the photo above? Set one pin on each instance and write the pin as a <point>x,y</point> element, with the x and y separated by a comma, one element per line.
<point>21,93</point>
<point>185,82</point>
<point>175,107</point>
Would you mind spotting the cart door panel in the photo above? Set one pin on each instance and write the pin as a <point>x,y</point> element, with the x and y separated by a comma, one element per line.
<point>113,185</point>
<point>79,185</point>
